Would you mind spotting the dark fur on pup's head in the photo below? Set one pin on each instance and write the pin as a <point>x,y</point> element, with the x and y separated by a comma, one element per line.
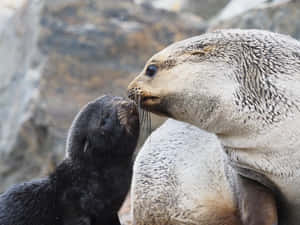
<point>90,185</point>
<point>107,126</point>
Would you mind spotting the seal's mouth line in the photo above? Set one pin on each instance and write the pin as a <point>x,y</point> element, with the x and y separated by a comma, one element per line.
<point>154,104</point>
<point>147,101</point>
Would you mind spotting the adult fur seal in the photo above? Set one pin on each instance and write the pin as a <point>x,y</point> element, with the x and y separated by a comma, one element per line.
<point>89,186</point>
<point>244,86</point>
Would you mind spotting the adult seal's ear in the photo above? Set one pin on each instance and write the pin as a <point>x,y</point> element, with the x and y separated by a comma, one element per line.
<point>243,86</point>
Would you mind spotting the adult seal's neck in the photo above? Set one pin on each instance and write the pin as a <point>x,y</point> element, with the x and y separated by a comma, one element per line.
<point>253,154</point>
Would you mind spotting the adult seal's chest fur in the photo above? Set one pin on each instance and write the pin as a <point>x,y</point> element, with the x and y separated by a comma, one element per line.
<point>242,85</point>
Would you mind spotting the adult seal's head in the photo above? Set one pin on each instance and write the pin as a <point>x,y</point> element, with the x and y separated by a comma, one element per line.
<point>225,81</point>
<point>244,86</point>
<point>107,126</point>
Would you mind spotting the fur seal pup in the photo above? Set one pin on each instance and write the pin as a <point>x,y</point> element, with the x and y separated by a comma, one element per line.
<point>90,185</point>
<point>244,86</point>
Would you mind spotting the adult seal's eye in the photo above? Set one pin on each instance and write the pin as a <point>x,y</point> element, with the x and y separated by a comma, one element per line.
<point>151,70</point>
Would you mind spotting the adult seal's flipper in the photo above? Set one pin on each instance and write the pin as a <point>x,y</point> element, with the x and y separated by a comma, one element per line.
<point>256,202</point>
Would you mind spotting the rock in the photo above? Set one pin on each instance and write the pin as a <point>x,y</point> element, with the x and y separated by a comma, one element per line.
<point>170,5</point>
<point>203,8</point>
<point>282,18</point>
<point>23,128</point>
<point>56,55</point>
<point>237,7</point>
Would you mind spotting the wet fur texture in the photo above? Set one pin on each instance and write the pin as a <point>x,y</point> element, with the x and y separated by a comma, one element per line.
<point>243,86</point>
<point>90,185</point>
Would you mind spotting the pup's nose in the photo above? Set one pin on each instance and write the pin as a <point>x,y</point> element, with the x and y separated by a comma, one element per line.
<point>129,106</point>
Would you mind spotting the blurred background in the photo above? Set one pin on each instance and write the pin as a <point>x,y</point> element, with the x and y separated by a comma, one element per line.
<point>56,55</point>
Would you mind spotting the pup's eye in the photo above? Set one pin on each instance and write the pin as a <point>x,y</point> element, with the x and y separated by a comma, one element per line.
<point>151,70</point>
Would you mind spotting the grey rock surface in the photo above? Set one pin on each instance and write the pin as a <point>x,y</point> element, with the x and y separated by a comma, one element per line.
<point>56,55</point>
<point>203,8</point>
<point>206,9</point>
<point>237,7</point>
<point>22,128</point>
<point>280,17</point>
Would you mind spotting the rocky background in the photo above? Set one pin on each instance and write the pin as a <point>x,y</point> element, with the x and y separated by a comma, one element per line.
<point>56,55</point>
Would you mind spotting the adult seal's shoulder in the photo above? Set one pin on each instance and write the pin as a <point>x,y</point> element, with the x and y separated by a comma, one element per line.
<point>179,178</point>
<point>89,186</point>
<point>244,86</point>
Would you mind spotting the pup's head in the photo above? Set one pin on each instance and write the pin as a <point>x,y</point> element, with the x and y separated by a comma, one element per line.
<point>107,126</point>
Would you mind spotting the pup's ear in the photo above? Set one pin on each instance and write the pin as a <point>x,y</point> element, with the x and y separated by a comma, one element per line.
<point>86,146</point>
